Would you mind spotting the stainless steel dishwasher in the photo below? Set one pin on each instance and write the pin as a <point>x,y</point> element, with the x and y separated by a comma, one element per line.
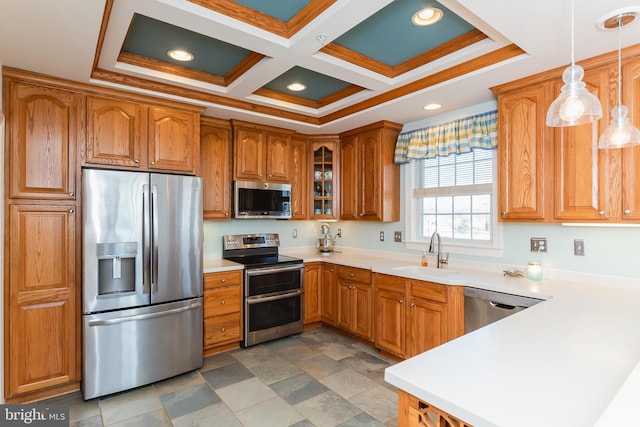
<point>482,307</point>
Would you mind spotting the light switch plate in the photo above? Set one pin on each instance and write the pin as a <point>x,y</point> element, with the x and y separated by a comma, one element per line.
<point>539,244</point>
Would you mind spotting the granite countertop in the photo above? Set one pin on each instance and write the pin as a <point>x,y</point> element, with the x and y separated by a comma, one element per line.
<point>572,360</point>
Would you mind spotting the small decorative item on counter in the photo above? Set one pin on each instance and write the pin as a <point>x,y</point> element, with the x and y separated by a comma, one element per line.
<point>513,273</point>
<point>534,271</point>
<point>425,261</point>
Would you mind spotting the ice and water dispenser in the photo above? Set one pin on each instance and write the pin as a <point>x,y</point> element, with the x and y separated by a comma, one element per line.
<point>116,267</point>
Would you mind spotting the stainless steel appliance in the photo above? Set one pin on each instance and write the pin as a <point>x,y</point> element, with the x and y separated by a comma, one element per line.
<point>482,307</point>
<point>142,251</point>
<point>261,200</point>
<point>273,292</point>
<point>326,241</point>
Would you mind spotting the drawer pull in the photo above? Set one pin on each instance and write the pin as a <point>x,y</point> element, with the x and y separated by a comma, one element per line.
<point>401,301</point>
<point>412,305</point>
<point>223,329</point>
<point>351,274</point>
<point>627,211</point>
<point>223,302</point>
<point>223,280</point>
<point>600,213</point>
<point>71,194</point>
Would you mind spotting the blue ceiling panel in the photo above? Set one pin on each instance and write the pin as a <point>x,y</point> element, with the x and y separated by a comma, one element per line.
<point>390,37</point>
<point>282,10</point>
<point>153,39</point>
<point>318,85</point>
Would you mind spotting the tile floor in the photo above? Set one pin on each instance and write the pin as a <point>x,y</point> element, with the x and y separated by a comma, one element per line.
<point>318,378</point>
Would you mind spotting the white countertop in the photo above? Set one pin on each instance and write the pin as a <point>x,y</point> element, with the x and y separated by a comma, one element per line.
<point>572,360</point>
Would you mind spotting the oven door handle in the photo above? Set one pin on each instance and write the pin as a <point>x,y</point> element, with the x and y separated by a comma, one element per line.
<point>269,270</point>
<point>258,299</point>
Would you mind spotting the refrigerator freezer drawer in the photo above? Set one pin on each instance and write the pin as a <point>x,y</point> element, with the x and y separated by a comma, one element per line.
<point>129,348</point>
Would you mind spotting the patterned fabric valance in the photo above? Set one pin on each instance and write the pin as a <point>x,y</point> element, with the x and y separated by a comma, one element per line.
<point>456,137</point>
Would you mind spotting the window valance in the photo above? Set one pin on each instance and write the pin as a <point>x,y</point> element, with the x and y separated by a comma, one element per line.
<point>456,137</point>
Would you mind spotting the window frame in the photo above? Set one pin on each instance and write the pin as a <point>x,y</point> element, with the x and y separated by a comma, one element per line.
<point>412,220</point>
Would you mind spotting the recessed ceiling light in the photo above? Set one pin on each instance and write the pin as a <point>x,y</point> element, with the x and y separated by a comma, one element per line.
<point>427,16</point>
<point>296,87</point>
<point>430,107</point>
<point>180,55</point>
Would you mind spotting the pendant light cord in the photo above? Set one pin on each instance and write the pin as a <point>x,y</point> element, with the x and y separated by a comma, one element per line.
<point>619,62</point>
<point>573,60</point>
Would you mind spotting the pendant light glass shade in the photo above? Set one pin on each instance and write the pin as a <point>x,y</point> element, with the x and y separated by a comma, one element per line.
<point>575,105</point>
<point>621,132</point>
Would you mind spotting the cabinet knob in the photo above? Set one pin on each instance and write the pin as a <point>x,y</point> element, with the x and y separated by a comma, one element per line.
<point>136,161</point>
<point>502,213</point>
<point>71,194</point>
<point>412,305</point>
<point>600,213</point>
<point>351,274</point>
<point>331,270</point>
<point>260,175</point>
<point>223,302</point>
<point>223,280</point>
<point>226,214</point>
<point>306,269</point>
<point>71,210</point>
<point>627,211</point>
<point>354,215</point>
<point>401,301</point>
<point>361,214</point>
<point>151,163</point>
<point>270,176</point>
<point>223,329</point>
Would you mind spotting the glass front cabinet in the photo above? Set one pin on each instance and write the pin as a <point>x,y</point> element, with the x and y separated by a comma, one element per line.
<point>324,179</point>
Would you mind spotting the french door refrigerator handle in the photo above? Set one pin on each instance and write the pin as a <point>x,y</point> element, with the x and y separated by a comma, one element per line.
<point>154,237</point>
<point>146,287</point>
<point>192,306</point>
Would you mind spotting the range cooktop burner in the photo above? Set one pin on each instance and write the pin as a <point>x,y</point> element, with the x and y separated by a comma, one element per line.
<point>255,250</point>
<point>264,260</point>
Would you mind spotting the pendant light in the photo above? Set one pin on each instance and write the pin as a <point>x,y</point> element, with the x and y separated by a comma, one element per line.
<point>575,105</point>
<point>621,132</point>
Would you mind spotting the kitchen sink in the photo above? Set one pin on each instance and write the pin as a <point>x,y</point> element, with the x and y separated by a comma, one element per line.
<point>426,271</point>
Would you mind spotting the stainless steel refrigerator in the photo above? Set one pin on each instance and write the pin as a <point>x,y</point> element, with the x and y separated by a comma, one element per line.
<point>142,290</point>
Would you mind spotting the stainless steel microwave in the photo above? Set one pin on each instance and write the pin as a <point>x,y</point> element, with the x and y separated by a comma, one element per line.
<point>261,200</point>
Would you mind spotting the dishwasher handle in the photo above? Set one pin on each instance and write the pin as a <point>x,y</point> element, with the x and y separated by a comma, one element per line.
<point>502,306</point>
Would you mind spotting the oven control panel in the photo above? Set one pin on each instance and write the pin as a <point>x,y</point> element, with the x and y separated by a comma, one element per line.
<point>246,241</point>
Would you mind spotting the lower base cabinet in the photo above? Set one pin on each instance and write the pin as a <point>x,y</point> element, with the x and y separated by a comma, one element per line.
<point>312,302</point>
<point>412,412</point>
<point>355,299</point>
<point>222,311</point>
<point>329,294</point>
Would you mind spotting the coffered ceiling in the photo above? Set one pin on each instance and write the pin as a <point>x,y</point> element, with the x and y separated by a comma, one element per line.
<point>359,60</point>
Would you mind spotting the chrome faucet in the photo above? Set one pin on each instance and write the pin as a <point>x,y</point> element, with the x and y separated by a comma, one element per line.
<point>440,258</point>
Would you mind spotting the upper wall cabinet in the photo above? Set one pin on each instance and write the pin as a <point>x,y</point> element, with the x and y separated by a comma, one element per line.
<point>324,176</point>
<point>630,185</point>
<point>522,153</point>
<point>261,153</point>
<point>215,149</point>
<point>369,179</point>
<point>122,133</point>
<point>43,127</point>
<point>299,170</point>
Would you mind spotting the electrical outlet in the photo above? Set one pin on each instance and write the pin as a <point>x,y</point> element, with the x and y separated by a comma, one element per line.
<point>339,233</point>
<point>539,244</point>
<point>578,247</point>
<point>397,236</point>
<point>382,236</point>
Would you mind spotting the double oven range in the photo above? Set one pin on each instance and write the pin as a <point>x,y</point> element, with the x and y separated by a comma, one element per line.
<point>273,293</point>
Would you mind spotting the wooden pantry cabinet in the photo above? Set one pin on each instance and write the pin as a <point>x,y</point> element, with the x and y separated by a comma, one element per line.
<point>122,133</point>
<point>261,153</point>
<point>369,178</point>
<point>215,150</point>
<point>222,311</point>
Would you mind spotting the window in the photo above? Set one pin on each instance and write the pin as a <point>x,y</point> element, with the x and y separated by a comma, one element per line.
<point>454,196</point>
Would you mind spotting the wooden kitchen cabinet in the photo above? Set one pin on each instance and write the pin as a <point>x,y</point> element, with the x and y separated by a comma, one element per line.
<point>312,292</point>
<point>412,412</point>
<point>631,156</point>
<point>222,311</point>
<point>370,180</point>
<point>122,133</point>
<point>42,130</point>
<point>390,313</point>
<point>299,170</point>
<point>329,294</point>
<point>524,162</point>
<point>42,333</point>
<point>355,301</point>
<point>324,176</point>
<point>215,150</point>
<point>262,153</point>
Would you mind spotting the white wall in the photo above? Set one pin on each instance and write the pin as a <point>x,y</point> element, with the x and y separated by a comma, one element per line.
<point>609,251</point>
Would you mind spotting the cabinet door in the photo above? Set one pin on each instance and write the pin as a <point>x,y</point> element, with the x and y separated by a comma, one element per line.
<point>362,306</point>
<point>42,307</point>
<point>113,132</point>
<point>312,277</point>
<point>631,155</point>
<point>249,154</point>
<point>324,189</point>
<point>369,184</point>
<point>390,321</point>
<point>346,311</point>
<point>582,171</point>
<point>522,163</point>
<point>215,149</point>
<point>278,157</point>
<point>299,170</point>
<point>42,142</point>
<point>329,295</point>
<point>174,142</point>
<point>349,178</point>
<point>428,325</point>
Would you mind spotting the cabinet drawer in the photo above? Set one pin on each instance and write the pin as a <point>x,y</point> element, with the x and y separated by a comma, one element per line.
<point>354,274</point>
<point>224,278</point>
<point>222,329</point>
<point>222,301</point>
<point>428,290</point>
<point>392,283</point>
